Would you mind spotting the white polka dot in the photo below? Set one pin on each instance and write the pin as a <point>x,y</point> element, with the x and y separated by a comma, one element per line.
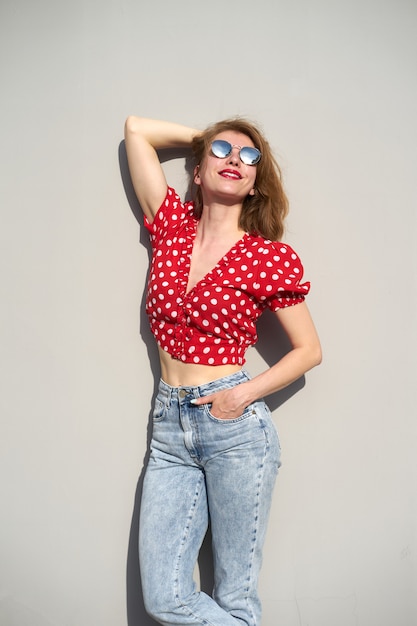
<point>225,322</point>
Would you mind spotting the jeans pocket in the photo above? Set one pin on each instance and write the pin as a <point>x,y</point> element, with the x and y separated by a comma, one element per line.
<point>248,412</point>
<point>159,410</point>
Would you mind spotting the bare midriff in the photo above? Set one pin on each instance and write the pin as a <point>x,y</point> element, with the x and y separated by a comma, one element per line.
<point>179,374</point>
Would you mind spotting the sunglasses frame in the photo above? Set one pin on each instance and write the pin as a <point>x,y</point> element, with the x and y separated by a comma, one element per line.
<point>243,150</point>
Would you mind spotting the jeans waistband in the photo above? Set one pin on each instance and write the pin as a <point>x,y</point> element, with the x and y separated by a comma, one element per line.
<point>205,389</point>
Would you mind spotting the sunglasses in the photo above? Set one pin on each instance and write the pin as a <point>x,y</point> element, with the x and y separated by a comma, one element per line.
<point>222,149</point>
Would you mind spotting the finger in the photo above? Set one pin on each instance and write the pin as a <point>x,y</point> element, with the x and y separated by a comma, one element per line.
<point>204,400</point>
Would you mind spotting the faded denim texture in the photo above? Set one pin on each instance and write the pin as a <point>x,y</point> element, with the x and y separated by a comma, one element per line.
<point>203,470</point>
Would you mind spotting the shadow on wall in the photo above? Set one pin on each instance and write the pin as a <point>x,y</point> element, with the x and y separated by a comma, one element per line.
<point>272,345</point>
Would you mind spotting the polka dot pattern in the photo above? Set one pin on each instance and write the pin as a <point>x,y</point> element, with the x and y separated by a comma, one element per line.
<point>215,322</point>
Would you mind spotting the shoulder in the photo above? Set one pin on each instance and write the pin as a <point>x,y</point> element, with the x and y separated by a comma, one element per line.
<point>272,253</point>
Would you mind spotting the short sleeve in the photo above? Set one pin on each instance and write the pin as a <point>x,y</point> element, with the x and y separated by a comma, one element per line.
<point>280,278</point>
<point>169,217</point>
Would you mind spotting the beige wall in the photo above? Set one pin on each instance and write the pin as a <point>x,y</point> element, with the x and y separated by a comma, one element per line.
<point>334,86</point>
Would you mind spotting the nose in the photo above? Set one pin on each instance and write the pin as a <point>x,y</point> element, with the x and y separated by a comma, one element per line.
<point>234,155</point>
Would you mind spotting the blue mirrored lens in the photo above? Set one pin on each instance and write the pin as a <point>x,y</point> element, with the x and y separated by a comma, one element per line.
<point>220,148</point>
<point>250,156</point>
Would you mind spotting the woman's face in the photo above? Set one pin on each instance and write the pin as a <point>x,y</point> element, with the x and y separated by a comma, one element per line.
<point>226,179</point>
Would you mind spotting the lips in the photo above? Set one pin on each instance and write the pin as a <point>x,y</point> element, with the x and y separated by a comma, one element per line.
<point>231,174</point>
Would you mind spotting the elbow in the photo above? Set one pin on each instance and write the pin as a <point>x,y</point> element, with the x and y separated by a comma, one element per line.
<point>132,125</point>
<point>312,355</point>
<point>316,355</point>
<point>129,125</point>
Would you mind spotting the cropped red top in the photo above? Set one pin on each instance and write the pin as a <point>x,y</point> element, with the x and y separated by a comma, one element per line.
<point>214,323</point>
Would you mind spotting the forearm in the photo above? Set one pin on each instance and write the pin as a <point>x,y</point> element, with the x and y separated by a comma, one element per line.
<point>305,354</point>
<point>287,370</point>
<point>230,403</point>
<point>159,133</point>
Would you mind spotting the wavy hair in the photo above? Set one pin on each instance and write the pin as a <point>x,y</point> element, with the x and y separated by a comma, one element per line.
<point>264,212</point>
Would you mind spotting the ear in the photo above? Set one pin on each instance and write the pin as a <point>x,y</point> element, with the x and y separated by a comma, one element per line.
<point>197,179</point>
<point>252,192</point>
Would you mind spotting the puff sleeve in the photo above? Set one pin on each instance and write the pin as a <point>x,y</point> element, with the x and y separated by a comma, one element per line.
<point>280,274</point>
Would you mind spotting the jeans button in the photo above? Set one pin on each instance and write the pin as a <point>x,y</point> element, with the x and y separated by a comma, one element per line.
<point>182,393</point>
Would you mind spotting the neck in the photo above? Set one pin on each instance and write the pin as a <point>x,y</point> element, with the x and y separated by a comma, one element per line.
<point>220,221</point>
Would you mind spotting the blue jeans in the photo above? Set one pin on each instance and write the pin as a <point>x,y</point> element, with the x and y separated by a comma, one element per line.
<point>206,470</point>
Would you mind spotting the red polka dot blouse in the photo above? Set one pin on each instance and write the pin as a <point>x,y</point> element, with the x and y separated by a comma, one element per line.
<point>215,322</point>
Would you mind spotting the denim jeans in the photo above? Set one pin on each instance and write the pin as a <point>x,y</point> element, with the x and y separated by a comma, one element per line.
<point>206,470</point>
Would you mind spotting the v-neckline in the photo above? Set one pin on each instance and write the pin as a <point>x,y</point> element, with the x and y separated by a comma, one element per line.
<point>222,260</point>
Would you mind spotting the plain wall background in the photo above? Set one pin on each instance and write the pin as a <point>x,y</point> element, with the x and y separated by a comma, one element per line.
<point>334,86</point>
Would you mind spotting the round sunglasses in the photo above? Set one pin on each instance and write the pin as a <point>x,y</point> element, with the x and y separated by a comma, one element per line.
<point>222,149</point>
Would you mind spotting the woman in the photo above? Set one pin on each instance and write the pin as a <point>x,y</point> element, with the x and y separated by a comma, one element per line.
<point>214,452</point>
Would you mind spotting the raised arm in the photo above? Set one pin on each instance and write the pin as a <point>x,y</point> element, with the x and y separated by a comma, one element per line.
<point>143,137</point>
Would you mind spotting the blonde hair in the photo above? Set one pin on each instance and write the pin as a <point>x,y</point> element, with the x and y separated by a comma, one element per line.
<point>264,212</point>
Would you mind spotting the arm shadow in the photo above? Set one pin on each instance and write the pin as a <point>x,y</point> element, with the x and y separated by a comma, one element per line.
<point>272,345</point>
